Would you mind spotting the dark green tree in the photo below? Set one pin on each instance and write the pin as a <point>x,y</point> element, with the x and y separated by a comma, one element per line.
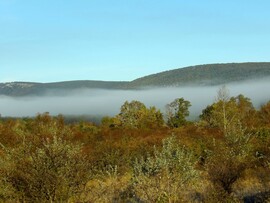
<point>207,115</point>
<point>177,111</point>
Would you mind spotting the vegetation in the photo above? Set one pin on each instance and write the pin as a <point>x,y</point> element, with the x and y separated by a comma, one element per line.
<point>139,156</point>
<point>210,74</point>
<point>177,111</point>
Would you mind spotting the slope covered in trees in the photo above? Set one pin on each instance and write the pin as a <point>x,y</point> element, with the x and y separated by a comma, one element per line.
<point>140,155</point>
<point>213,74</point>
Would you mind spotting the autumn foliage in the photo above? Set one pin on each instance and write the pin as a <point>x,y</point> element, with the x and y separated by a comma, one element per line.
<point>140,155</point>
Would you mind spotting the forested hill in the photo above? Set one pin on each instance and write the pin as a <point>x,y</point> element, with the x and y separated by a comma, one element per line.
<point>212,74</point>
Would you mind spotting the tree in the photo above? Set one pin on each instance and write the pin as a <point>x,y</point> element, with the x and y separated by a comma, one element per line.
<point>177,111</point>
<point>152,119</point>
<point>135,114</point>
<point>131,113</point>
<point>207,115</point>
<point>228,159</point>
<point>229,114</point>
<point>222,112</point>
<point>246,111</point>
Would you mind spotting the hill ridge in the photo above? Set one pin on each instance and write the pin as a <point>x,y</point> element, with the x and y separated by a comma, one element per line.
<point>206,74</point>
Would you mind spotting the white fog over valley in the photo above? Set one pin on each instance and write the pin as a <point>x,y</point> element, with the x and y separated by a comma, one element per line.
<point>108,102</point>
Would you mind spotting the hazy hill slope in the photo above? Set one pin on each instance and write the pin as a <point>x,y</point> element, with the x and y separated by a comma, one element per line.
<point>86,84</point>
<point>212,74</point>
<point>27,88</point>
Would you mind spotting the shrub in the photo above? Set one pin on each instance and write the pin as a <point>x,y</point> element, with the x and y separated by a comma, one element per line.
<point>54,171</point>
<point>163,176</point>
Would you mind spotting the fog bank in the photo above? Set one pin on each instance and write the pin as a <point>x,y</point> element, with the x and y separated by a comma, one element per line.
<point>108,102</point>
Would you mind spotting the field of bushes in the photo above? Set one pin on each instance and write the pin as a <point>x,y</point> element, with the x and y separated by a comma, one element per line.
<point>140,155</point>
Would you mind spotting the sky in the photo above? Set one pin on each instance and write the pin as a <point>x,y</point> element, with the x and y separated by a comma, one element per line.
<point>121,40</point>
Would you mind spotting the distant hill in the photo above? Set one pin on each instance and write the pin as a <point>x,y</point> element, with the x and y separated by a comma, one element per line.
<point>39,89</point>
<point>201,75</point>
<point>211,74</point>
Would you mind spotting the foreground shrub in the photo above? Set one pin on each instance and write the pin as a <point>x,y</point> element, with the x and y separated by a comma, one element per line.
<point>54,171</point>
<point>164,176</point>
<point>224,172</point>
<point>228,162</point>
<point>108,186</point>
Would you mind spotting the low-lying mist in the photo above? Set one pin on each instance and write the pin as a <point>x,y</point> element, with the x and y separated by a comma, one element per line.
<point>108,102</point>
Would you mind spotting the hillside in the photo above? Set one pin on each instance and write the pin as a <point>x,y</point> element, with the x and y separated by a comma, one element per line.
<point>212,74</point>
<point>28,88</point>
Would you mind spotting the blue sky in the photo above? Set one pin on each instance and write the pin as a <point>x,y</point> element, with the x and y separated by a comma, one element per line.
<point>58,40</point>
